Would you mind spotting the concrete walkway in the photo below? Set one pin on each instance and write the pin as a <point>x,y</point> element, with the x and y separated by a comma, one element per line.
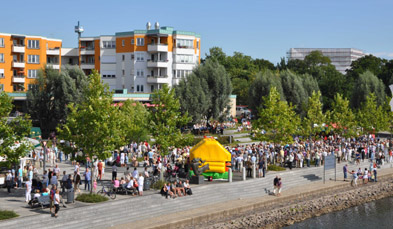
<point>143,212</point>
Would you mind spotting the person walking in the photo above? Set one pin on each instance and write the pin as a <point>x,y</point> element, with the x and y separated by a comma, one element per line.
<point>77,180</point>
<point>56,201</point>
<point>28,191</point>
<point>345,170</point>
<point>140,184</point>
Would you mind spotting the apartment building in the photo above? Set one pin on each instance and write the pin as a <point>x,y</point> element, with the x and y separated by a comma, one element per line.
<point>341,58</point>
<point>21,56</point>
<point>141,61</point>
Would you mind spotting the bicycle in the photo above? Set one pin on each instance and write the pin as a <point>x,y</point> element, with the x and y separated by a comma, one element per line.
<point>110,192</point>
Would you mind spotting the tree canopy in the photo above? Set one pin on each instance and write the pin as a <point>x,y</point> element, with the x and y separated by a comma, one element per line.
<point>47,101</point>
<point>13,144</point>
<point>166,120</point>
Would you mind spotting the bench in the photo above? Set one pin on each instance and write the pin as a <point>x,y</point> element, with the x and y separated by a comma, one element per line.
<point>41,201</point>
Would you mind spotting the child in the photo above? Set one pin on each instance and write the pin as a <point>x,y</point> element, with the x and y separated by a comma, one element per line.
<point>94,185</point>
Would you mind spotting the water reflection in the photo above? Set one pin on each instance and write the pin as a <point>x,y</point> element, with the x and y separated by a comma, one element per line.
<point>377,214</point>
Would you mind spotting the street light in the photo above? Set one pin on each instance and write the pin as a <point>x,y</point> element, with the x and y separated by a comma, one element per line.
<point>44,145</point>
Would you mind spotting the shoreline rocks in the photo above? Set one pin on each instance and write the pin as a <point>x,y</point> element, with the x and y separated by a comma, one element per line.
<point>300,209</point>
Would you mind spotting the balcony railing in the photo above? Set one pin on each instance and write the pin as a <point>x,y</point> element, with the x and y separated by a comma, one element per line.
<point>87,48</point>
<point>184,47</point>
<point>156,76</point>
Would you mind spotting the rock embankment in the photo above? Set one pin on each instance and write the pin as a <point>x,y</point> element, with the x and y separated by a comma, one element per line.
<point>307,208</point>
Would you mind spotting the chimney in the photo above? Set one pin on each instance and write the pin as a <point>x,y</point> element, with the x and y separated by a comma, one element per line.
<point>148,25</point>
<point>157,25</point>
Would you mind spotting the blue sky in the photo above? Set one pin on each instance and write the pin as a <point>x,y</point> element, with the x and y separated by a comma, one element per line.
<point>261,29</point>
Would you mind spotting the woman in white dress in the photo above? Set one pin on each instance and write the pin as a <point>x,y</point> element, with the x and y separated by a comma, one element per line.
<point>140,184</point>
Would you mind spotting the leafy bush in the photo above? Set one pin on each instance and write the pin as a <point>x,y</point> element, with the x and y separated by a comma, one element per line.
<point>223,139</point>
<point>4,214</point>
<point>91,198</point>
<point>275,168</point>
<point>158,185</point>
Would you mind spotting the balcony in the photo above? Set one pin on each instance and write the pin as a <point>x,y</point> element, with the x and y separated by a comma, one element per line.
<point>87,50</point>
<point>157,63</point>
<point>157,48</point>
<point>157,79</point>
<point>18,79</point>
<point>54,65</point>
<point>16,64</point>
<point>87,65</point>
<point>184,50</point>
<point>54,52</point>
<point>18,48</point>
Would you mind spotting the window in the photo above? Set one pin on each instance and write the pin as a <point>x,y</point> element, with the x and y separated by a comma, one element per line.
<point>184,59</point>
<point>33,44</point>
<point>33,59</point>
<point>1,87</point>
<point>123,57</point>
<point>32,73</point>
<point>108,76</point>
<point>140,41</point>
<point>152,88</point>
<point>1,57</point>
<point>132,41</point>
<point>1,42</point>
<point>123,42</point>
<point>109,44</point>
<point>141,88</point>
<point>32,86</point>
<point>197,45</point>
<point>140,57</point>
<point>137,88</point>
<point>183,43</point>
<point>140,73</point>
<point>132,56</point>
<point>1,73</point>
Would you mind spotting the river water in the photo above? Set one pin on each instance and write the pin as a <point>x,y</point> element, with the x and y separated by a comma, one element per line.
<point>376,214</point>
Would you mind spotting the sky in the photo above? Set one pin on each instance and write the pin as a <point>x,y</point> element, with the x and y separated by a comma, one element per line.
<point>258,28</point>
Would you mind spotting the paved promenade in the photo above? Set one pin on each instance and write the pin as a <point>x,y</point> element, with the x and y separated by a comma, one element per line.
<point>154,210</point>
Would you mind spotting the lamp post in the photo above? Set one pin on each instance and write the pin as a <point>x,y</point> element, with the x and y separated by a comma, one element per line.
<point>43,142</point>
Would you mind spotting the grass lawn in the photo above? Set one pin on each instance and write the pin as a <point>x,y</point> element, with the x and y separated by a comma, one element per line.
<point>4,214</point>
<point>91,198</point>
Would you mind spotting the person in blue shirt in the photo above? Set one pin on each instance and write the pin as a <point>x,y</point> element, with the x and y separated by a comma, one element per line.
<point>150,154</point>
<point>87,179</point>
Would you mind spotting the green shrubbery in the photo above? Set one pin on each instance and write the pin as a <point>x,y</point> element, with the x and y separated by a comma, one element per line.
<point>4,214</point>
<point>158,185</point>
<point>275,168</point>
<point>91,198</point>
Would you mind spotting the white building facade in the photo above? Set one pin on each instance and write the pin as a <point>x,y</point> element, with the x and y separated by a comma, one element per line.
<point>341,58</point>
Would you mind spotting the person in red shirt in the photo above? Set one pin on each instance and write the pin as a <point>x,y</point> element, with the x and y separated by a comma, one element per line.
<point>100,170</point>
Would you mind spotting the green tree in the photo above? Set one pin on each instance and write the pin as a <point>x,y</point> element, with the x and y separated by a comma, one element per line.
<point>219,88</point>
<point>367,63</point>
<point>194,97</point>
<point>340,118</point>
<point>134,117</point>
<point>278,121</point>
<point>314,115</point>
<point>261,86</point>
<point>13,144</point>
<point>166,120</point>
<point>294,92</point>
<point>94,125</point>
<point>316,58</point>
<point>366,84</point>
<point>47,102</point>
<point>372,117</point>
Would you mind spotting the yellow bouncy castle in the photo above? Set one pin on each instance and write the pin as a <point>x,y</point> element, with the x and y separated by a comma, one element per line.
<point>214,154</point>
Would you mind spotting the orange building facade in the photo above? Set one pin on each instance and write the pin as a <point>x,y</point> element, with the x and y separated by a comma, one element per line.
<point>21,56</point>
<point>141,61</point>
